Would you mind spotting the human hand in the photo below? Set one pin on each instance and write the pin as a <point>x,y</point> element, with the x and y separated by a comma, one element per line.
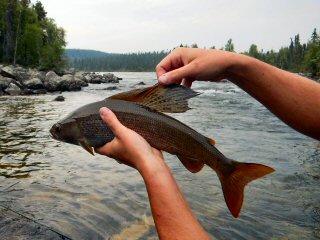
<point>184,65</point>
<point>127,147</point>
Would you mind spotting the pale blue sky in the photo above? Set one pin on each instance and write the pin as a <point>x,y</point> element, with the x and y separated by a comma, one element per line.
<point>147,25</point>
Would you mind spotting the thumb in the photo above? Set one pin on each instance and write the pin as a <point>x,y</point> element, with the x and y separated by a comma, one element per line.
<point>176,76</point>
<point>111,120</point>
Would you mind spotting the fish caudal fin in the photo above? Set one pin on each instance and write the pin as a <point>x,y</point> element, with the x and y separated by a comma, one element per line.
<point>234,180</point>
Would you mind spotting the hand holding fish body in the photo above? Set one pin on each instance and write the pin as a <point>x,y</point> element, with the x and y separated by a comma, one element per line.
<point>141,110</point>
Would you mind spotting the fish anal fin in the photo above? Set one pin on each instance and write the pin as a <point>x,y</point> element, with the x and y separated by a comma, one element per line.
<point>86,146</point>
<point>170,99</point>
<point>192,165</point>
<point>234,182</point>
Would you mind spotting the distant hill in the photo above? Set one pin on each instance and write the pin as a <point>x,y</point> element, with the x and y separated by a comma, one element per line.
<point>91,60</point>
<point>72,54</point>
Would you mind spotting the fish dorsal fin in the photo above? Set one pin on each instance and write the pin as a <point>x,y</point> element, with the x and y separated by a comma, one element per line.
<point>170,99</point>
<point>191,164</point>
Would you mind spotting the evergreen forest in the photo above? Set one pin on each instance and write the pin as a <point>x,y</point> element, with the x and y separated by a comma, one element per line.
<point>28,37</point>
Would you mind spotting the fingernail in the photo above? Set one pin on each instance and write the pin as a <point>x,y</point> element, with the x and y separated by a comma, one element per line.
<point>163,78</point>
<point>104,111</point>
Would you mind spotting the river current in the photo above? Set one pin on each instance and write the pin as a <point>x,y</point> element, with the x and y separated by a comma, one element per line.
<point>93,197</point>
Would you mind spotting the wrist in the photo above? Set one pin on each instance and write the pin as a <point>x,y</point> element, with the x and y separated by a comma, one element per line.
<point>151,167</point>
<point>239,67</point>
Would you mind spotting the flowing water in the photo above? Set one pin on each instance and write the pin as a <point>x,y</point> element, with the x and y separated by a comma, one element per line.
<point>84,197</point>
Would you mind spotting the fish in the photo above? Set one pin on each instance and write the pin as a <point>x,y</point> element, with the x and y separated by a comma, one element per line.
<point>144,111</point>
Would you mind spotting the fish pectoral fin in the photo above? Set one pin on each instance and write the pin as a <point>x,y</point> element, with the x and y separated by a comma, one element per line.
<point>170,99</point>
<point>211,141</point>
<point>191,164</point>
<point>86,146</point>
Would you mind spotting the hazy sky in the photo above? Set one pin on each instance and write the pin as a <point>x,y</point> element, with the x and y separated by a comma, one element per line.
<point>147,25</point>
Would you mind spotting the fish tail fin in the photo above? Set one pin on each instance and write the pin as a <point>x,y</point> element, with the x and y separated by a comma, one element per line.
<point>234,179</point>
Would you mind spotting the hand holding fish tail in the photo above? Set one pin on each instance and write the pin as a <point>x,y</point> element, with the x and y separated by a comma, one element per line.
<point>171,212</point>
<point>291,97</point>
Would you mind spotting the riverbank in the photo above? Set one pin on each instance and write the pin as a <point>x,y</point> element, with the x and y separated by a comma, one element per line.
<point>16,80</point>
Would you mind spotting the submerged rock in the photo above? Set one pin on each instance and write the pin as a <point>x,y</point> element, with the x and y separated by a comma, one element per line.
<point>16,226</point>
<point>59,98</point>
<point>140,83</point>
<point>112,88</point>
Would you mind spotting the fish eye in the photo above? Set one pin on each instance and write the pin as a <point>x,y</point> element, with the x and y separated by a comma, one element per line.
<point>57,128</point>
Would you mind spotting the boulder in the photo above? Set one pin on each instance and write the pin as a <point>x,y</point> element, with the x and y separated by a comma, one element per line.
<point>80,80</point>
<point>7,71</point>
<point>34,83</point>
<point>87,78</point>
<point>4,82</point>
<point>51,81</point>
<point>67,82</point>
<point>13,89</point>
<point>110,78</point>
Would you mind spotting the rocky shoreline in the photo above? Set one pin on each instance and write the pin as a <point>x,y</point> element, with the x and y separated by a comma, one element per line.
<point>16,80</point>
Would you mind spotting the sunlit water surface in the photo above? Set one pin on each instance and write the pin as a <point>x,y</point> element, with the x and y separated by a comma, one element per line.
<point>85,197</point>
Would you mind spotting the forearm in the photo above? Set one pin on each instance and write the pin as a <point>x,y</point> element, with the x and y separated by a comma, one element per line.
<point>172,214</point>
<point>294,99</point>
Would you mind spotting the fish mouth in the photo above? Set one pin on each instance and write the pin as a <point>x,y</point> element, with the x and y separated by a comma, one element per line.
<point>52,133</point>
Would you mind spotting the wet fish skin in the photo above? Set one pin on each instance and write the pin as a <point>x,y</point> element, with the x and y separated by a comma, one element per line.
<point>85,127</point>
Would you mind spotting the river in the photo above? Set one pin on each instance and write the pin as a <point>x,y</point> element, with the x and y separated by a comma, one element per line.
<point>93,197</point>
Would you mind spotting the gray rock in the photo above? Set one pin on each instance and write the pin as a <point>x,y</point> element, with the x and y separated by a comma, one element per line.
<point>80,80</point>
<point>87,78</point>
<point>112,88</point>
<point>59,98</point>
<point>13,89</point>
<point>4,82</point>
<point>34,83</point>
<point>7,71</point>
<point>141,83</point>
<point>34,91</point>
<point>51,81</point>
<point>65,83</point>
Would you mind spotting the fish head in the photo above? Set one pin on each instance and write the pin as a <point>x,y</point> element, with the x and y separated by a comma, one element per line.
<point>66,131</point>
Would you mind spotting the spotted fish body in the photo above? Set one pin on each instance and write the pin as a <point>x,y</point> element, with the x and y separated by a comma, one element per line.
<point>141,110</point>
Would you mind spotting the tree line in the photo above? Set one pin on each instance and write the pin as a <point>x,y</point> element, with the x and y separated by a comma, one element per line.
<point>296,57</point>
<point>28,37</point>
<point>134,62</point>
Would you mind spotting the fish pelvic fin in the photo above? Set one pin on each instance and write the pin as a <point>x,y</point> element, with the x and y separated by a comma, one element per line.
<point>170,99</point>
<point>87,147</point>
<point>234,180</point>
<point>191,164</point>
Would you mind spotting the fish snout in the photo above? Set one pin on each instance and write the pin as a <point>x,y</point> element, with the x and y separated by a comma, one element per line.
<point>55,131</point>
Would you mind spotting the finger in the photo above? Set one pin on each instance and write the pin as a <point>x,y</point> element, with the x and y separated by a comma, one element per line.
<point>170,62</point>
<point>186,82</point>
<point>177,75</point>
<point>111,120</point>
